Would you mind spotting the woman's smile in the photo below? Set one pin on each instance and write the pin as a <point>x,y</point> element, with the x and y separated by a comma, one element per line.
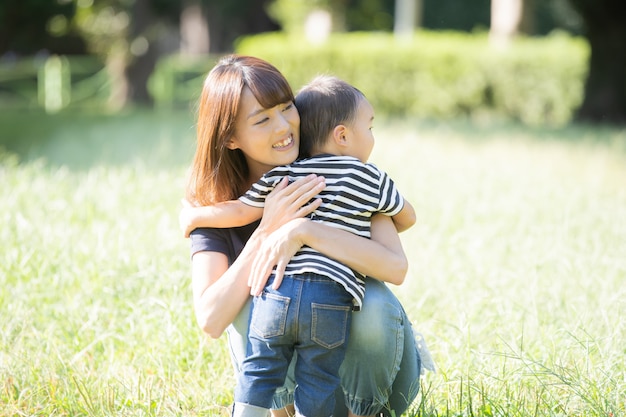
<point>286,143</point>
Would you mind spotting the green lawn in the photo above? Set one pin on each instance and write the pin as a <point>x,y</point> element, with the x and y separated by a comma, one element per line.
<point>517,278</point>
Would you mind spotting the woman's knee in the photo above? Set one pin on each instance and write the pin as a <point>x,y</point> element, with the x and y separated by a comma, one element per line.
<point>376,338</point>
<point>380,319</point>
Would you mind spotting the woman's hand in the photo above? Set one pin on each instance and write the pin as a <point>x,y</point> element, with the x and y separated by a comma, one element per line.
<point>276,249</point>
<point>284,210</point>
<point>381,257</point>
<point>289,201</point>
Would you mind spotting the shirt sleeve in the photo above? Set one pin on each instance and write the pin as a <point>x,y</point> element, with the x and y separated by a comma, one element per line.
<point>229,241</point>
<point>257,194</point>
<point>209,239</point>
<point>391,201</point>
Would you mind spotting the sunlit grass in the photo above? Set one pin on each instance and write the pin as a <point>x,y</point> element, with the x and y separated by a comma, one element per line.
<point>518,267</point>
<point>517,278</point>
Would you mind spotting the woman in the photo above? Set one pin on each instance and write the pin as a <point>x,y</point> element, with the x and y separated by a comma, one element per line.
<point>247,124</point>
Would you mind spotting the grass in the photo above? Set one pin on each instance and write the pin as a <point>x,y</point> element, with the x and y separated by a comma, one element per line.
<point>517,279</point>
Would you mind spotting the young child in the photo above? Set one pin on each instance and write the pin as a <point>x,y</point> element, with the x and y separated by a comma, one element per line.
<point>309,311</point>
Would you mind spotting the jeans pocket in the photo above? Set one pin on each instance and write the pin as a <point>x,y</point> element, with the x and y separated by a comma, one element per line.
<point>269,315</point>
<point>330,324</point>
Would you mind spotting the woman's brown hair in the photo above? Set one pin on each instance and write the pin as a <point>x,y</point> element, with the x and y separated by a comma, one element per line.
<point>218,173</point>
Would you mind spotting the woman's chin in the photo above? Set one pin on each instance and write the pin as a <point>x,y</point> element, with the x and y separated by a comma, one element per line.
<point>287,156</point>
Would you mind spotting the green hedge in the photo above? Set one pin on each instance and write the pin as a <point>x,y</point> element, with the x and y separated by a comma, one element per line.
<point>177,80</point>
<point>438,74</point>
<point>54,83</point>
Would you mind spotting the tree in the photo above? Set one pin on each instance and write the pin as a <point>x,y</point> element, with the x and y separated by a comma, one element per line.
<point>293,14</point>
<point>33,26</point>
<point>194,29</point>
<point>605,87</point>
<point>460,15</point>
<point>407,18</point>
<point>104,26</point>
<point>505,19</point>
<point>147,30</point>
<point>129,35</point>
<point>227,20</point>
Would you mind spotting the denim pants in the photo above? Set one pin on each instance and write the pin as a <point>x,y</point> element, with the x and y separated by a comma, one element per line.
<point>308,314</point>
<point>381,370</point>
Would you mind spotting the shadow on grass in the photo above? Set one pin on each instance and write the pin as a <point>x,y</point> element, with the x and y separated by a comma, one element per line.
<point>493,128</point>
<point>79,139</point>
<point>162,139</point>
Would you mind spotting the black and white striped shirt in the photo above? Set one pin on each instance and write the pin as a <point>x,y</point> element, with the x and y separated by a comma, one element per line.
<point>354,192</point>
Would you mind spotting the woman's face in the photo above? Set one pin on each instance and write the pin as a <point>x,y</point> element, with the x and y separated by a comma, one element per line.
<point>267,137</point>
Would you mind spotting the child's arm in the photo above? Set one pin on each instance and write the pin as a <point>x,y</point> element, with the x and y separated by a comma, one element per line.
<point>405,218</point>
<point>232,213</point>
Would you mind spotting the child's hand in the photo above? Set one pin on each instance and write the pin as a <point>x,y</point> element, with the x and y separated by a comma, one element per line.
<point>186,218</point>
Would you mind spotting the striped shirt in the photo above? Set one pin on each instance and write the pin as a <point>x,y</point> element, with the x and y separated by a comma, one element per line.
<point>354,192</point>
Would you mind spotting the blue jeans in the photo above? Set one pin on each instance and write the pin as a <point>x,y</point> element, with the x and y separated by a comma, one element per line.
<point>309,314</point>
<point>381,337</point>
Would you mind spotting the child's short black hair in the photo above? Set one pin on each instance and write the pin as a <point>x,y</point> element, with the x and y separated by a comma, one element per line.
<point>323,104</point>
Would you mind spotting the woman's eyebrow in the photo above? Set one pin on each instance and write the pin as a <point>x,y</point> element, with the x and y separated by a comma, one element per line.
<point>255,112</point>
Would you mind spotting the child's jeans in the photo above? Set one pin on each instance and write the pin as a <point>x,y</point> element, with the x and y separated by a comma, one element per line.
<point>380,336</point>
<point>310,314</point>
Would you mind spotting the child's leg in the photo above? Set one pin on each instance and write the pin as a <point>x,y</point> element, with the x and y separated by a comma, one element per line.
<point>238,341</point>
<point>269,349</point>
<point>323,329</point>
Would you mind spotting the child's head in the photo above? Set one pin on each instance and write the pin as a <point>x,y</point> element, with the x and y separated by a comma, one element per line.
<point>336,118</point>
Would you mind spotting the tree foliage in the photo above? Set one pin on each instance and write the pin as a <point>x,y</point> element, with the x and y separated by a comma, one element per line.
<point>231,19</point>
<point>104,25</point>
<point>29,26</point>
<point>131,35</point>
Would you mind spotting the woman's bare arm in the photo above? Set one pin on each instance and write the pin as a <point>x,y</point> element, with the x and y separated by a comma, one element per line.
<point>220,292</point>
<point>381,257</point>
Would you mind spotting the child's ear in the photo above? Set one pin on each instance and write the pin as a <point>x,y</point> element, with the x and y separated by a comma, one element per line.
<point>340,133</point>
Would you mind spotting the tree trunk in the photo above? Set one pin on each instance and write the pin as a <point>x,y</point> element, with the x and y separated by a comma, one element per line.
<point>506,18</point>
<point>605,87</point>
<point>408,16</point>
<point>218,42</point>
<point>116,67</point>
<point>225,26</point>
<point>527,25</point>
<point>194,29</point>
<point>144,52</point>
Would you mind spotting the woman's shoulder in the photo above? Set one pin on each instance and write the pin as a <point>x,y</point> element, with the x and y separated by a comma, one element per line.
<point>229,241</point>
<point>209,239</point>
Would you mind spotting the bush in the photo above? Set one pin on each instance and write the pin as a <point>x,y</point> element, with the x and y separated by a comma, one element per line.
<point>441,74</point>
<point>438,74</point>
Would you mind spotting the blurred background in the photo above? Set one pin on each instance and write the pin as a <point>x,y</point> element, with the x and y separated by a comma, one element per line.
<point>502,121</point>
<point>547,62</point>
